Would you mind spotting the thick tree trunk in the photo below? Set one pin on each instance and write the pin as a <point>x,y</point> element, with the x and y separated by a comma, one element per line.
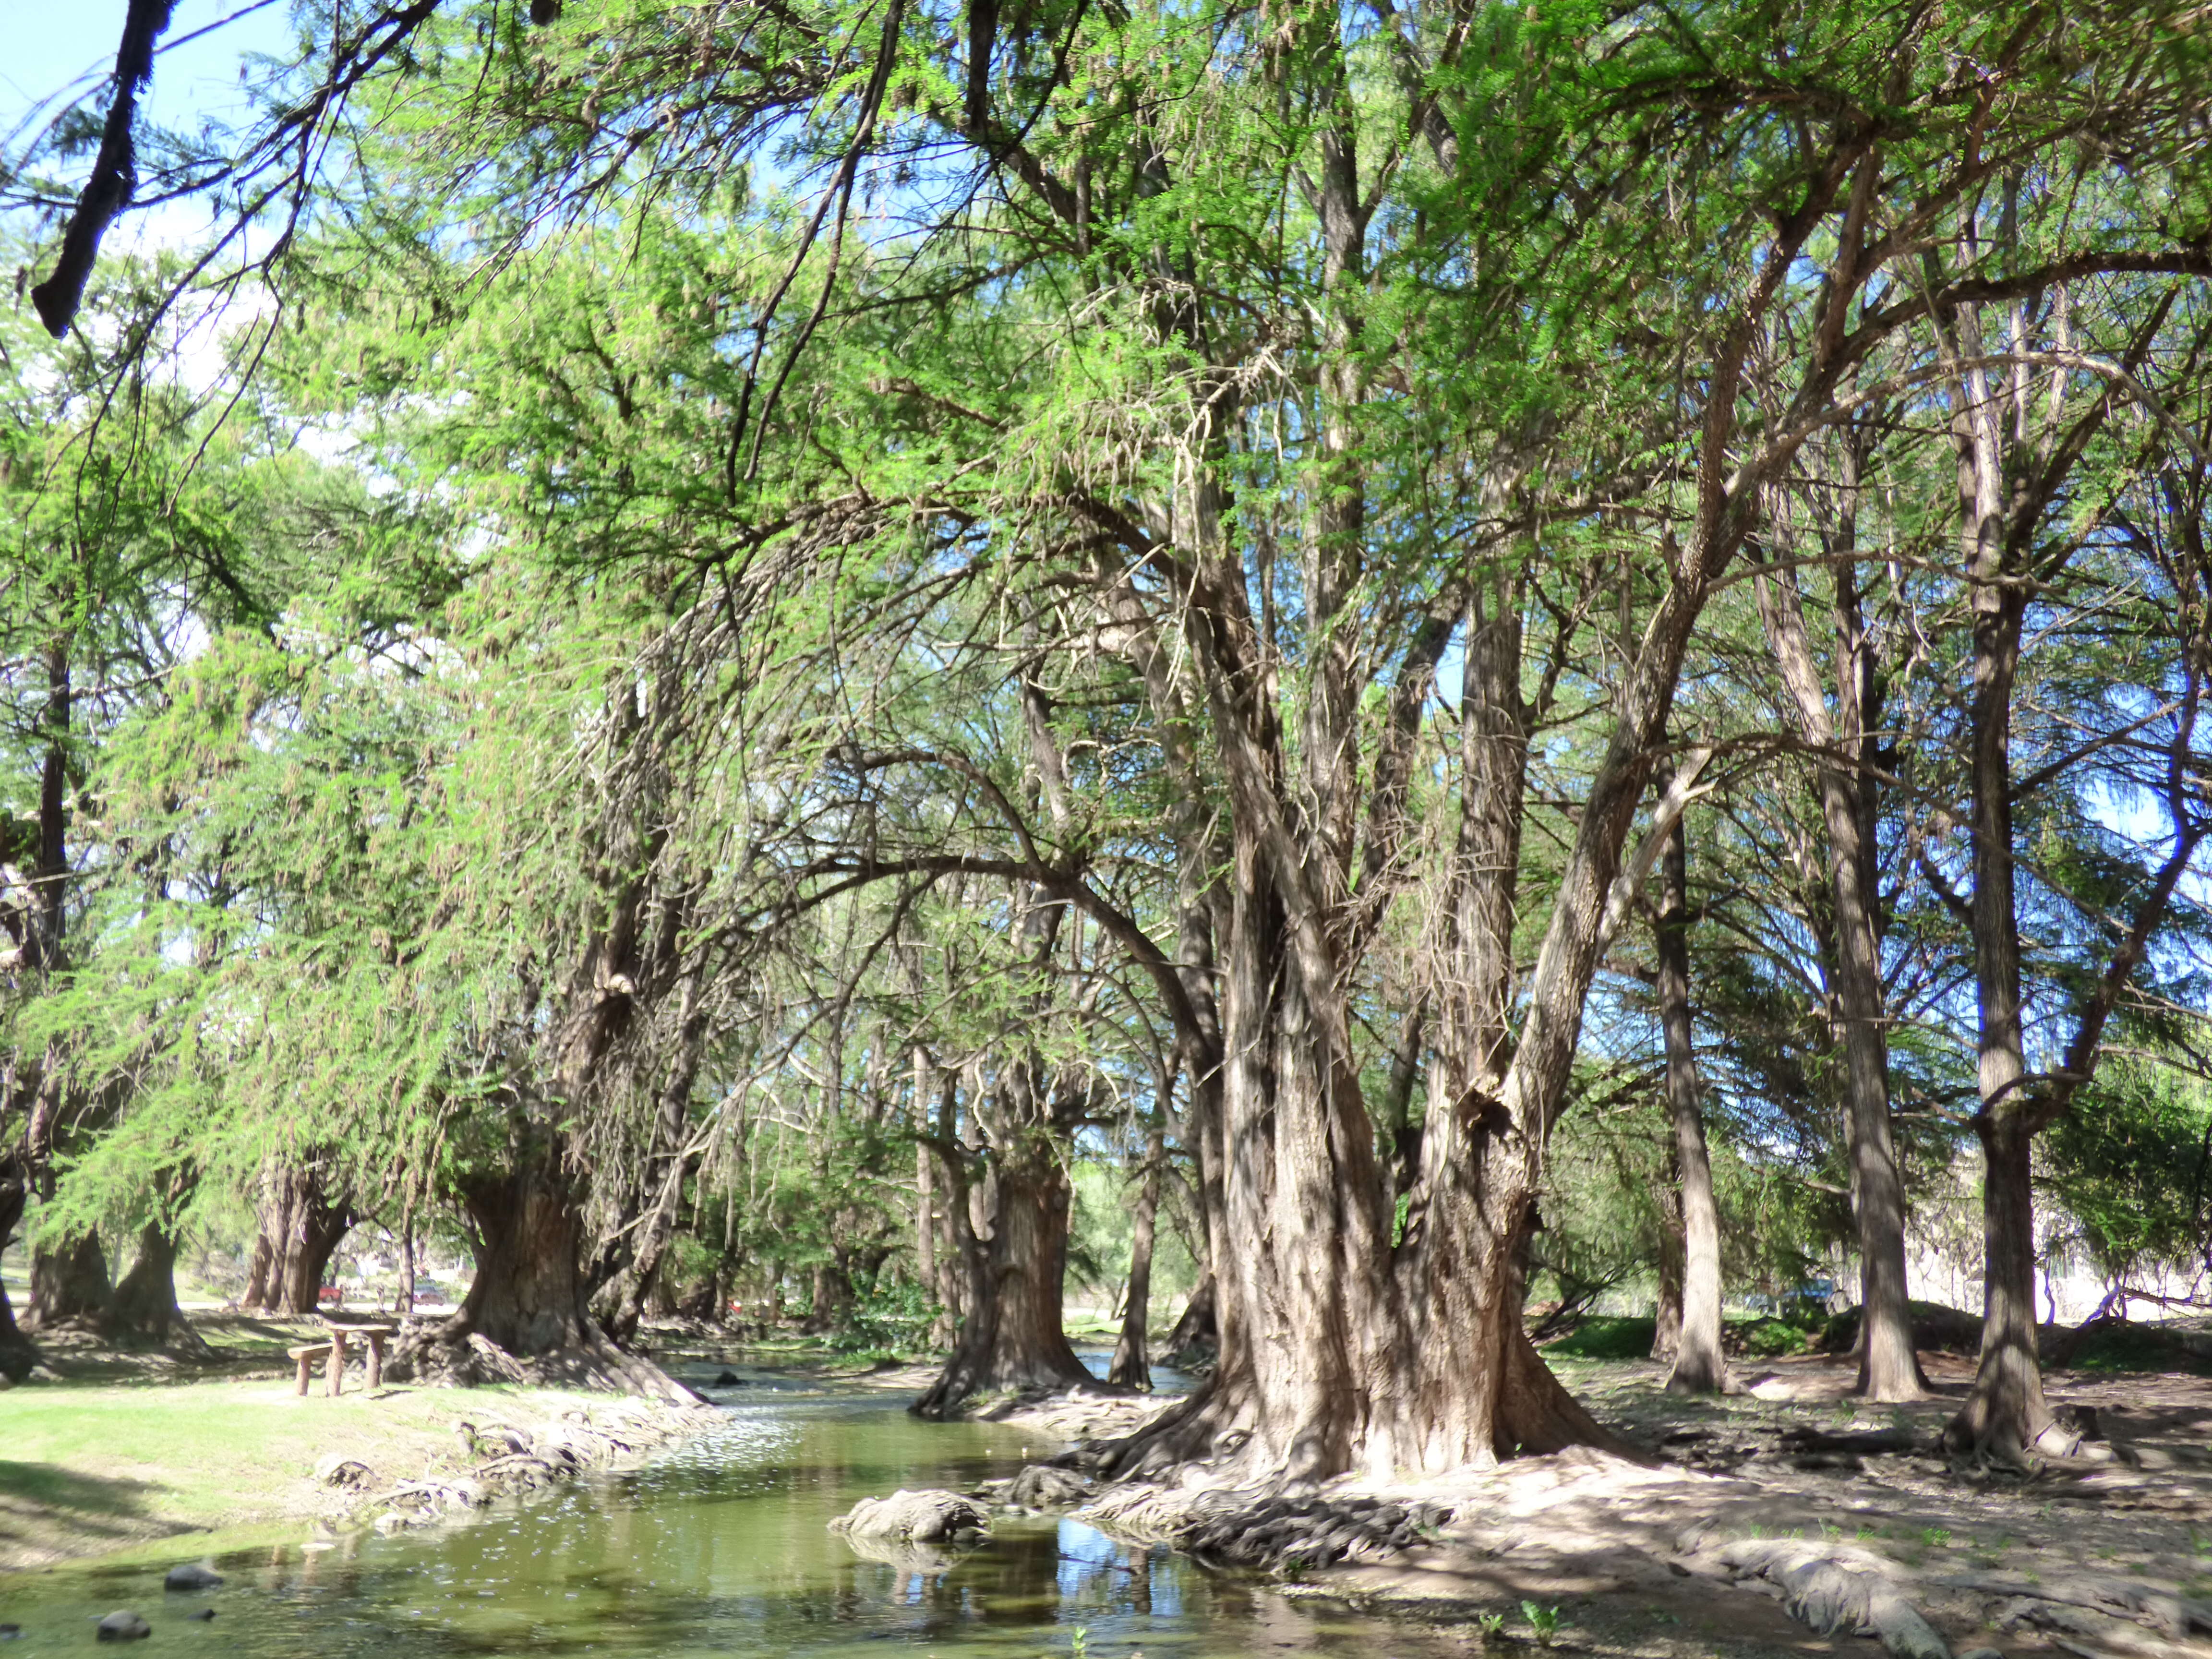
<point>1889,1369</point>
<point>301,1227</point>
<point>2005,1415</point>
<point>828,1295</point>
<point>529,1300</point>
<point>1194,1339</point>
<point>1133,1366</point>
<point>69,1282</point>
<point>1013,1337</point>
<point>1700,1367</point>
<point>143,1309</point>
<point>18,1353</point>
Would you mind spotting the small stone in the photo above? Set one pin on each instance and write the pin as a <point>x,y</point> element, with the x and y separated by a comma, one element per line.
<point>726,1380</point>
<point>122,1626</point>
<point>200,1612</point>
<point>336,1469</point>
<point>9,1632</point>
<point>191,1576</point>
<point>1982,1653</point>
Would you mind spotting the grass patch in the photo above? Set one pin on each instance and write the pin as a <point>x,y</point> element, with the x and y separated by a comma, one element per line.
<point>1604,1336</point>
<point>86,1468</point>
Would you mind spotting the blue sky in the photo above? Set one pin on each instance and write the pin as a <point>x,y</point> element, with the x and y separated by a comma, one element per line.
<point>46,44</point>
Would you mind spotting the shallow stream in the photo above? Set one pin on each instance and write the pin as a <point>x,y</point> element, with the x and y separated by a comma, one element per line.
<point>719,1547</point>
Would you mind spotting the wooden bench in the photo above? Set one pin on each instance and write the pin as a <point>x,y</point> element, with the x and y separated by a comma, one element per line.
<point>335,1349</point>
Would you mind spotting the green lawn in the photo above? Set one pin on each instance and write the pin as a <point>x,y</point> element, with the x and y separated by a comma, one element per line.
<point>86,1468</point>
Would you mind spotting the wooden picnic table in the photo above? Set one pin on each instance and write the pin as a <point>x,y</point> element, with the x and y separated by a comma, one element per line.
<point>334,1366</point>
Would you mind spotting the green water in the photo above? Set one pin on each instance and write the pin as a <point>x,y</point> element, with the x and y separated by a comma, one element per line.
<point>718,1548</point>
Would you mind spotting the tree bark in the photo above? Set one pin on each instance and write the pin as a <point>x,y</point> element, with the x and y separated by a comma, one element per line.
<point>1667,1319</point>
<point>2005,1413</point>
<point>301,1226</point>
<point>1195,1338</point>
<point>1133,1367</point>
<point>143,1309</point>
<point>1699,1366</point>
<point>18,1353</point>
<point>1013,1337</point>
<point>925,1219</point>
<point>529,1299</point>
<point>1889,1368</point>
<point>69,1282</point>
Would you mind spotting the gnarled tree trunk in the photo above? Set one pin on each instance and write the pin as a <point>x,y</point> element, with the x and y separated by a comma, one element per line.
<point>69,1282</point>
<point>1016,1261</point>
<point>529,1300</point>
<point>301,1226</point>
<point>143,1309</point>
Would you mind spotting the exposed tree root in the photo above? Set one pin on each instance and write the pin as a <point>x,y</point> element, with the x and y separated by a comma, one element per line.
<point>450,1355</point>
<point>1829,1587</point>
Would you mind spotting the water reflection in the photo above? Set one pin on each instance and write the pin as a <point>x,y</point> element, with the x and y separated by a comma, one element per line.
<point>720,1547</point>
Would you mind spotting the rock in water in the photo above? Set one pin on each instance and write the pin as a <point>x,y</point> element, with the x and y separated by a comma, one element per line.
<point>1040,1486</point>
<point>726,1380</point>
<point>191,1576</point>
<point>124,1626</point>
<point>200,1612</point>
<point>912,1517</point>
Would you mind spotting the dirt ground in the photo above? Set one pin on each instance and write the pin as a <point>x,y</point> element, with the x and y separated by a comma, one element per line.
<point>1757,1530</point>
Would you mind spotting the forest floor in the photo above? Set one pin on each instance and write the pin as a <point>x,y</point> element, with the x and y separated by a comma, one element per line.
<point>1788,1519</point>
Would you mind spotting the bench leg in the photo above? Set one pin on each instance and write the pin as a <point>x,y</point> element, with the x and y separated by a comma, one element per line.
<point>307,1362</point>
<point>334,1371</point>
<point>375,1364</point>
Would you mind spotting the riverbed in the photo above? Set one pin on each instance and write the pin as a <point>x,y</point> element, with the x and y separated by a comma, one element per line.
<point>719,1547</point>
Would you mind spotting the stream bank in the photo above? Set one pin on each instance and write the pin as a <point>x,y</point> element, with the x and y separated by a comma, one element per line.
<point>1790,1511</point>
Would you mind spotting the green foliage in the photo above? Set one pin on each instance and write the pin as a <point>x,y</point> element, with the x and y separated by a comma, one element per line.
<point>2128,1165</point>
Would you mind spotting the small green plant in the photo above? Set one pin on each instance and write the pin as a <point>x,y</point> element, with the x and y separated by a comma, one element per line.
<point>1829,1529</point>
<point>1867,1535</point>
<point>1492,1624</point>
<point>1936,1538</point>
<point>1544,1621</point>
<point>1082,1645</point>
